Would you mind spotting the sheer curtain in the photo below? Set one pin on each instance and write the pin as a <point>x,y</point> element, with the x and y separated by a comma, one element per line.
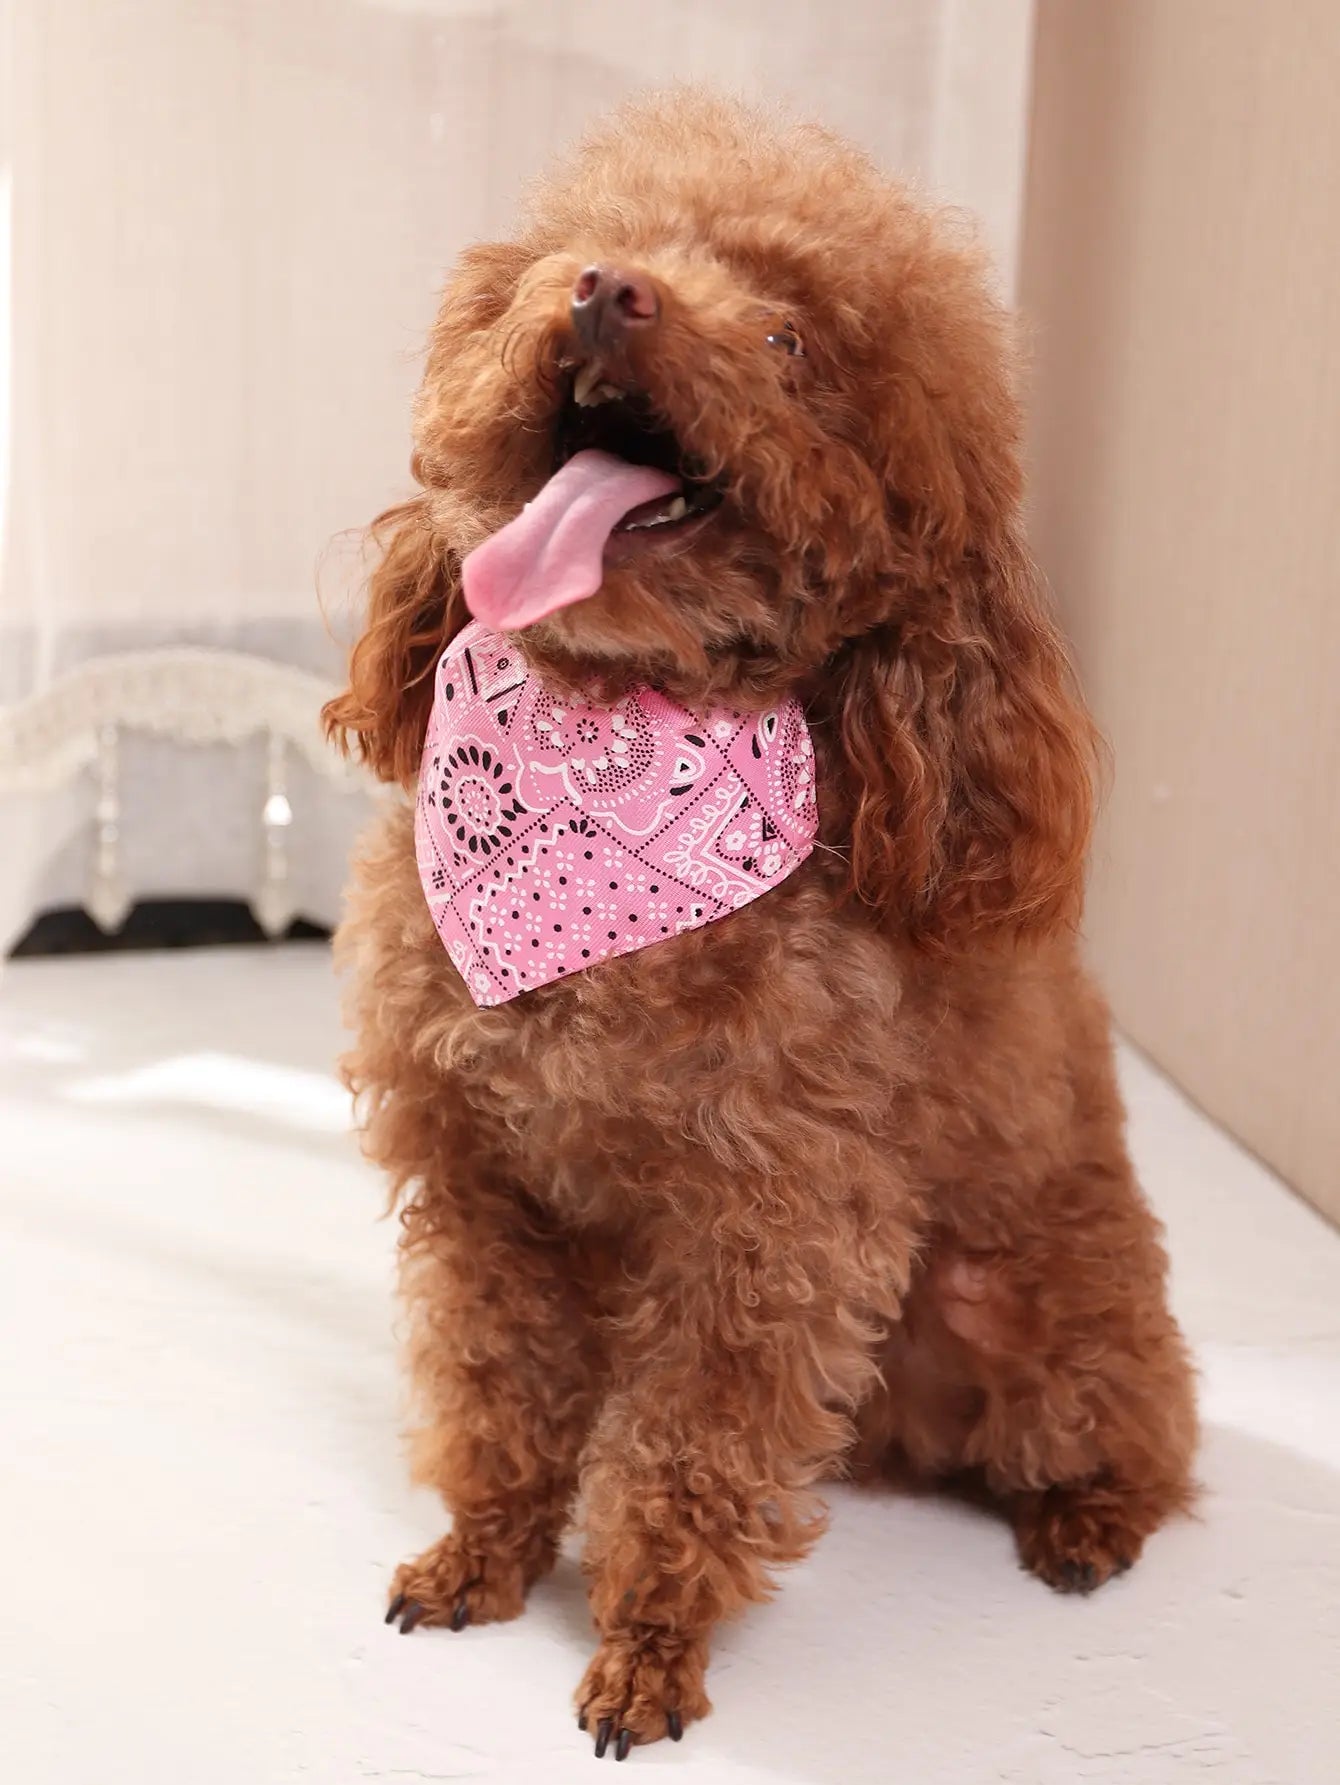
<point>224,224</point>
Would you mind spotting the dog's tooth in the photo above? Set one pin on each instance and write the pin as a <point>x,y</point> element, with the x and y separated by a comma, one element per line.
<point>585,382</point>
<point>677,510</point>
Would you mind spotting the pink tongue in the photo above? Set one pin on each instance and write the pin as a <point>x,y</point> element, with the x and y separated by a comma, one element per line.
<point>550,555</point>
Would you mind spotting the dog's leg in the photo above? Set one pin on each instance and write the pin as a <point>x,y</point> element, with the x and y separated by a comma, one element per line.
<point>505,1370</point>
<point>1088,1425</point>
<point>736,1363</point>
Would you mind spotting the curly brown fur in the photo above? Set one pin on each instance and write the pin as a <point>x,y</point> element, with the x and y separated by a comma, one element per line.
<point>839,1181</point>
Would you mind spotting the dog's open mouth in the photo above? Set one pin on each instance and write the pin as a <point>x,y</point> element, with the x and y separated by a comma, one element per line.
<point>597,414</point>
<point>622,484</point>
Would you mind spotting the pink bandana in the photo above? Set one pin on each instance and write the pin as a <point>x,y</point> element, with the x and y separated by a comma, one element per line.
<point>551,835</point>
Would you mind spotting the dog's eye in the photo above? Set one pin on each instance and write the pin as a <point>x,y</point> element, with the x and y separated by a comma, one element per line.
<point>788,339</point>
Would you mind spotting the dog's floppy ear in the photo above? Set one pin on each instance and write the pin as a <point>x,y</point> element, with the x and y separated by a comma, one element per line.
<point>414,608</point>
<point>969,761</point>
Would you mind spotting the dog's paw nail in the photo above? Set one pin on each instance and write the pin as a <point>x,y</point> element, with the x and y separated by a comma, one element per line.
<point>623,1744</point>
<point>397,1606</point>
<point>1077,1577</point>
<point>603,1732</point>
<point>581,1721</point>
<point>461,1616</point>
<point>414,1614</point>
<point>674,1726</point>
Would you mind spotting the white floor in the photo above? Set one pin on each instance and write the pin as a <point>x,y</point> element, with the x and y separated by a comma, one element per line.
<point>201,1497</point>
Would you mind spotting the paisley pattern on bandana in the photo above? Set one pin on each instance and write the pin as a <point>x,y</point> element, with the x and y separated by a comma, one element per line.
<point>552,835</point>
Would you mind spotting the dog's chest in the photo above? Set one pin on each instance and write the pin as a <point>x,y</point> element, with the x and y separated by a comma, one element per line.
<point>634,1086</point>
<point>585,1111</point>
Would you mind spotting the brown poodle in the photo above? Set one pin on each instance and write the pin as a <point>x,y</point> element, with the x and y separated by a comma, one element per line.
<point>838,1183</point>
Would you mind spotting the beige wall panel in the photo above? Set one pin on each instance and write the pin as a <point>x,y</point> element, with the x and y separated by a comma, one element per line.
<point>1181,274</point>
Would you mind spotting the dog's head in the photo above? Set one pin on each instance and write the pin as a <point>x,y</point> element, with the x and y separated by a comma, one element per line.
<point>760,405</point>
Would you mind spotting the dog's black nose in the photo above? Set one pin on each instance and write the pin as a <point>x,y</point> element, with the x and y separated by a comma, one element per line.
<point>610,303</point>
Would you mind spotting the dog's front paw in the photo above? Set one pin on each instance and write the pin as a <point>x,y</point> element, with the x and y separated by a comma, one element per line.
<point>640,1686</point>
<point>455,1583</point>
<point>1076,1538</point>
